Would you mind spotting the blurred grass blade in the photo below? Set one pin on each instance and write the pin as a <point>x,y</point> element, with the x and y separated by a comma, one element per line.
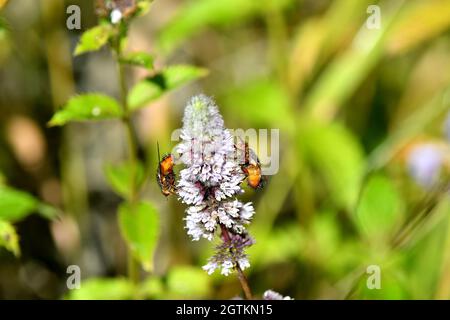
<point>420,22</point>
<point>92,106</point>
<point>408,129</point>
<point>341,79</point>
<point>318,38</point>
<point>153,87</point>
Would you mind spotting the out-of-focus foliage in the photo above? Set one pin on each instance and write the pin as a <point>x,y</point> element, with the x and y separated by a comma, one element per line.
<point>87,107</point>
<point>9,238</point>
<point>352,104</point>
<point>139,224</point>
<point>94,39</point>
<point>119,177</point>
<point>154,86</point>
<point>141,59</point>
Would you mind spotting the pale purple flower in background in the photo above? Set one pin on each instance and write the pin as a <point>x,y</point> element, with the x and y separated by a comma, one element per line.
<point>424,163</point>
<point>210,183</point>
<point>273,295</point>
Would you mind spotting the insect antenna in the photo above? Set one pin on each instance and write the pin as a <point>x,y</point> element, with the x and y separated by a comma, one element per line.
<point>157,147</point>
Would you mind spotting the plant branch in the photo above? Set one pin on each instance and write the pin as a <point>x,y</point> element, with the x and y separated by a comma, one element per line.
<point>241,276</point>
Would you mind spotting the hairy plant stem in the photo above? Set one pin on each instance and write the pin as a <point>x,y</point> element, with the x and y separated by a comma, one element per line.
<point>241,276</point>
<point>133,264</point>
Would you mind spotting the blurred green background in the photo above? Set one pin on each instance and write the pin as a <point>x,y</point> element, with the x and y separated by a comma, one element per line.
<point>355,107</point>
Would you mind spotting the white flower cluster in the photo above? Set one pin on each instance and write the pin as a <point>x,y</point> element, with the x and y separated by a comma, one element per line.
<point>273,295</point>
<point>212,177</point>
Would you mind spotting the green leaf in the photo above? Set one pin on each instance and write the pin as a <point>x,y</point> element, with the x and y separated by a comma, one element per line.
<point>9,238</point>
<point>87,107</point>
<point>16,205</point>
<point>93,39</point>
<point>119,177</point>
<point>380,208</point>
<point>140,59</point>
<point>156,85</point>
<point>188,282</point>
<point>103,289</point>
<point>338,157</point>
<point>139,225</point>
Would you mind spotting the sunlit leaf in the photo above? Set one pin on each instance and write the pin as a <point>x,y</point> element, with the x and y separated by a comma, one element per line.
<point>141,59</point>
<point>9,238</point>
<point>320,37</point>
<point>2,3</point>
<point>380,208</point>
<point>103,289</point>
<point>16,205</point>
<point>421,21</point>
<point>87,107</point>
<point>346,72</point>
<point>139,225</point>
<point>168,79</point>
<point>93,39</point>
<point>119,177</point>
<point>188,282</point>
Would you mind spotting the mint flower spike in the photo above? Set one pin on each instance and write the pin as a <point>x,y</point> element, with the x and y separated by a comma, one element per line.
<point>210,183</point>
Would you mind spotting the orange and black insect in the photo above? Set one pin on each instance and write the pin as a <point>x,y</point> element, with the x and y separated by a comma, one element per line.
<point>165,175</point>
<point>252,169</point>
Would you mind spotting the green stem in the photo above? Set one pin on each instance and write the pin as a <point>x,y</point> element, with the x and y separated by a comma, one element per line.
<point>133,264</point>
